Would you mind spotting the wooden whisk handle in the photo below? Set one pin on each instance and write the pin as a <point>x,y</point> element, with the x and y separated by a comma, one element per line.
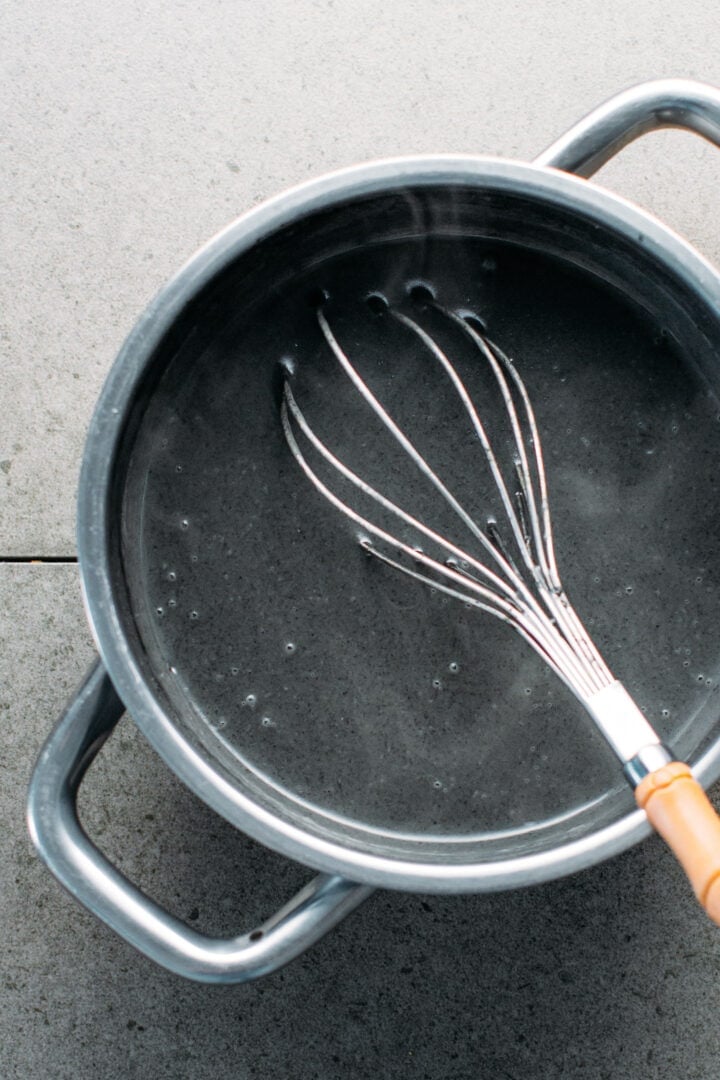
<point>680,811</point>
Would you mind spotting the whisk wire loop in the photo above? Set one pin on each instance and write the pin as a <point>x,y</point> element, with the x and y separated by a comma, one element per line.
<point>543,618</point>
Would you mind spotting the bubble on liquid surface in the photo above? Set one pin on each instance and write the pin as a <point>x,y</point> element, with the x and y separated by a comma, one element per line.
<point>160,610</point>
<point>194,615</point>
<point>267,721</point>
<point>172,602</point>
<point>453,667</point>
<point>290,647</point>
<point>250,700</point>
<point>184,523</point>
<point>377,303</point>
<point>437,784</point>
<point>437,685</point>
<point>172,576</point>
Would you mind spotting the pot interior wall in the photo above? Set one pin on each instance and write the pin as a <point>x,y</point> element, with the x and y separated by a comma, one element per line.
<point>340,694</point>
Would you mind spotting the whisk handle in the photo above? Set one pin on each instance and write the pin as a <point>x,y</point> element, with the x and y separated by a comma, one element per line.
<point>680,811</point>
<point>675,103</point>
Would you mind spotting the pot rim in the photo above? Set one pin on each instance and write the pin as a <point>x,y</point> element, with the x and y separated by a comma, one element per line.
<point>184,757</point>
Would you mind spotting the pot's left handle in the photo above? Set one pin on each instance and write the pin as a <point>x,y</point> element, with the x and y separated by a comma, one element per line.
<point>88,875</point>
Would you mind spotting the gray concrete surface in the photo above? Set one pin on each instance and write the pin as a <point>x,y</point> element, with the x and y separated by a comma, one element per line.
<point>132,133</point>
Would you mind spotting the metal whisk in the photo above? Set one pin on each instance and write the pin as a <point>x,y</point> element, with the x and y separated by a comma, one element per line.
<point>516,580</point>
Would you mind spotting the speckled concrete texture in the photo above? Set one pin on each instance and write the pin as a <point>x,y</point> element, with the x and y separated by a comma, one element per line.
<point>132,133</point>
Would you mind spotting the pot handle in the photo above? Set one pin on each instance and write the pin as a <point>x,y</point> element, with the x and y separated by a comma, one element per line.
<point>673,103</point>
<point>87,874</point>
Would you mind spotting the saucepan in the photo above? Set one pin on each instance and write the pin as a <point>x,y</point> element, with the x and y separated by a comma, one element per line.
<point>374,732</point>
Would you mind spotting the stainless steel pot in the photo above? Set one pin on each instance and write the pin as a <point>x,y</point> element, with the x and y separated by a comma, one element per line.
<point>183,478</point>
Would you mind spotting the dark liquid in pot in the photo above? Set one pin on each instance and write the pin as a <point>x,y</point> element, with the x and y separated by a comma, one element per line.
<point>345,683</point>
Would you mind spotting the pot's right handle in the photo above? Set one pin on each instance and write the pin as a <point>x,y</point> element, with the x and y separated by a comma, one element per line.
<point>91,878</point>
<point>673,103</point>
